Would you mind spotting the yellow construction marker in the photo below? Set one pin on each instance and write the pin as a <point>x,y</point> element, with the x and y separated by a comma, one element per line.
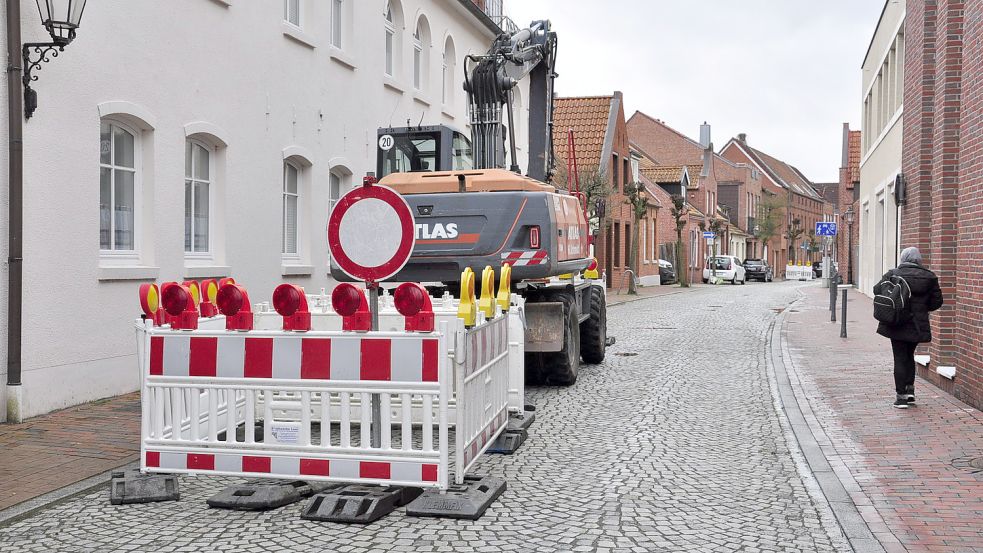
<point>504,298</point>
<point>467,310</point>
<point>487,302</point>
<point>591,271</point>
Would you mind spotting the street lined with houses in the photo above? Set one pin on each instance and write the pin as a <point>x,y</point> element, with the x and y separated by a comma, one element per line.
<point>678,441</point>
<point>491,275</point>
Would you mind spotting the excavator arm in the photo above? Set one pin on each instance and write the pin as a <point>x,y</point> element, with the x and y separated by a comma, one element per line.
<point>489,82</point>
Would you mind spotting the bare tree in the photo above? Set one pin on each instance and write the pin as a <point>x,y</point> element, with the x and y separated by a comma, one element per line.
<point>679,213</point>
<point>637,197</point>
<point>769,219</point>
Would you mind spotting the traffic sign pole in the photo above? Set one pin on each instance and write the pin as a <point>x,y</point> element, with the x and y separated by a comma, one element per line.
<point>371,256</point>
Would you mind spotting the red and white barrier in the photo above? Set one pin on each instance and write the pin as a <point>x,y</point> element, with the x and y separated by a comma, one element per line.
<point>212,387</point>
<point>309,395</point>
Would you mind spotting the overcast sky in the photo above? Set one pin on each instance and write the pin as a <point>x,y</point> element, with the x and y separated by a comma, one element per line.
<point>786,72</point>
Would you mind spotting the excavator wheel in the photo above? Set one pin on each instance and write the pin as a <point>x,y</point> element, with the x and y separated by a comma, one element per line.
<point>562,367</point>
<point>594,331</point>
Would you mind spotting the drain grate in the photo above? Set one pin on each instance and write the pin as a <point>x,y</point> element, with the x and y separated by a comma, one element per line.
<point>973,464</point>
<point>626,354</point>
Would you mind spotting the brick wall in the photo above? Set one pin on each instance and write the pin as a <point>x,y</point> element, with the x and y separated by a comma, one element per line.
<point>943,162</point>
<point>968,316</point>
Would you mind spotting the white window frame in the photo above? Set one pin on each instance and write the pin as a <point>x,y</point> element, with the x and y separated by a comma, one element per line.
<point>417,59</point>
<point>208,253</point>
<point>338,24</point>
<point>390,46</point>
<point>443,76</point>
<point>137,170</point>
<point>295,255</point>
<point>286,12</point>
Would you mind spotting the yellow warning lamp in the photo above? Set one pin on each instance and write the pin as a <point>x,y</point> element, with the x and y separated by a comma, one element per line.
<point>150,303</point>
<point>209,292</point>
<point>487,302</point>
<point>504,298</point>
<point>467,310</point>
<point>195,289</point>
<point>591,271</point>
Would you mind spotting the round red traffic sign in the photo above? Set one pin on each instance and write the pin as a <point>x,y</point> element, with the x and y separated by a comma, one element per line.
<point>371,233</point>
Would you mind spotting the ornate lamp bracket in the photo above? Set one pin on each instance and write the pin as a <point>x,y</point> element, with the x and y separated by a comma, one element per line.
<point>41,52</point>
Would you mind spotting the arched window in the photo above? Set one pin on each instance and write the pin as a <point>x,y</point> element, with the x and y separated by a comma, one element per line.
<point>421,54</point>
<point>118,186</point>
<point>198,176</point>
<point>291,208</point>
<point>447,73</point>
<point>393,27</point>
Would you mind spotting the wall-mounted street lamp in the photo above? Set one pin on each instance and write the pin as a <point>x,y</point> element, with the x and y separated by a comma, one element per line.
<point>60,18</point>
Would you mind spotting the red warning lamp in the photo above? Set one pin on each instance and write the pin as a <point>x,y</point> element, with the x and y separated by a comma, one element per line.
<point>349,302</point>
<point>209,289</point>
<point>233,302</point>
<point>413,302</point>
<point>180,306</point>
<point>593,265</point>
<point>227,280</point>
<point>290,302</point>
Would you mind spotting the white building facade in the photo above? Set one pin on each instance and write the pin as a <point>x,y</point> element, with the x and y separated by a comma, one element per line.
<point>191,139</point>
<point>880,162</point>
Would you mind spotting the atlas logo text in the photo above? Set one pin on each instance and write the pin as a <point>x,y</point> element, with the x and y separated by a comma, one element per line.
<point>436,231</point>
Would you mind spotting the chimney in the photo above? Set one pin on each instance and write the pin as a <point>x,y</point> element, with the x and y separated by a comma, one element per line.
<point>845,157</point>
<point>742,138</point>
<point>705,135</point>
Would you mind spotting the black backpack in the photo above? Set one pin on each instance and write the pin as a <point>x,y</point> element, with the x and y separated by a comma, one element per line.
<point>893,305</point>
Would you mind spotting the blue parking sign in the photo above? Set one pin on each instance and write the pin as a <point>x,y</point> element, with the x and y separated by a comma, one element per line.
<point>826,229</point>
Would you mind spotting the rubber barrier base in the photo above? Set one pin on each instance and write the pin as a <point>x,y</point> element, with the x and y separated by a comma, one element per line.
<point>468,501</point>
<point>523,421</point>
<point>357,504</point>
<point>133,486</point>
<point>264,494</point>
<point>508,442</point>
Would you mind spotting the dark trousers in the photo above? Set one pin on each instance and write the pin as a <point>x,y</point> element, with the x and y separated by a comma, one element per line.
<point>904,364</point>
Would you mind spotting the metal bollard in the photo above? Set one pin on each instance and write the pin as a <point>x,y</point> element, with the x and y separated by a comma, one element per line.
<point>832,303</point>
<point>843,316</point>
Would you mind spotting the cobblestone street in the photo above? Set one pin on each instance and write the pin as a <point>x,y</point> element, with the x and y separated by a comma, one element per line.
<point>672,444</point>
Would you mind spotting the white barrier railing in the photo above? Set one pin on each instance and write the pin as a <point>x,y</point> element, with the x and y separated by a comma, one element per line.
<point>208,392</point>
<point>482,386</point>
<point>798,272</point>
<point>309,393</point>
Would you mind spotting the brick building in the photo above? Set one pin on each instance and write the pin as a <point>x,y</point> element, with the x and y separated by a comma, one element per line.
<point>715,188</point>
<point>942,164</point>
<point>602,149</point>
<point>803,205</point>
<point>848,198</point>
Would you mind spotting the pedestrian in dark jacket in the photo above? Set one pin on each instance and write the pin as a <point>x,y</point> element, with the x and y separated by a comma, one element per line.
<point>926,296</point>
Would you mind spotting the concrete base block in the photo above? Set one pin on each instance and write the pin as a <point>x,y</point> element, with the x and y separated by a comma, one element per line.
<point>357,504</point>
<point>508,442</point>
<point>468,501</point>
<point>133,486</point>
<point>264,494</point>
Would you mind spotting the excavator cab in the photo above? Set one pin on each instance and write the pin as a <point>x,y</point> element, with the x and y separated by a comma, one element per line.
<point>422,149</point>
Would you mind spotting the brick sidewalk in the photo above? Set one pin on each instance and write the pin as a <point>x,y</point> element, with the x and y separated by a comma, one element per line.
<point>49,452</point>
<point>908,471</point>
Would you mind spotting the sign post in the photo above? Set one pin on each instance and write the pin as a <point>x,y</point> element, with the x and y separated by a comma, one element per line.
<point>371,234</point>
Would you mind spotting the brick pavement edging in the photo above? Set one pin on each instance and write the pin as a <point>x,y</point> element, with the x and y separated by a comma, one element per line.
<point>46,453</point>
<point>898,466</point>
<point>830,490</point>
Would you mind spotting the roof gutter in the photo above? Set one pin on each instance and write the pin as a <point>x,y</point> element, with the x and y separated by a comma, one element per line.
<point>15,172</point>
